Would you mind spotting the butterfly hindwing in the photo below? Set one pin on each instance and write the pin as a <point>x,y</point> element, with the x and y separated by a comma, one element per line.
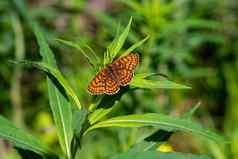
<point>112,87</point>
<point>97,85</point>
<point>103,83</point>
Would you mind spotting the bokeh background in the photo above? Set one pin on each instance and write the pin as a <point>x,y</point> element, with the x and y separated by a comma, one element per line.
<point>193,42</point>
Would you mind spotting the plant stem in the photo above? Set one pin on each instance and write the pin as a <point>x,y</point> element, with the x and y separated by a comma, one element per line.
<point>15,91</point>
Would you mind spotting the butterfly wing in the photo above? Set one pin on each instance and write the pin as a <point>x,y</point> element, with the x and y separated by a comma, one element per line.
<point>103,83</point>
<point>119,73</point>
<point>97,85</point>
<point>123,68</point>
<point>112,87</point>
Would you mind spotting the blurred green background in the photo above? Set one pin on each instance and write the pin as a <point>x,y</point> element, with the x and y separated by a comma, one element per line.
<point>193,42</point>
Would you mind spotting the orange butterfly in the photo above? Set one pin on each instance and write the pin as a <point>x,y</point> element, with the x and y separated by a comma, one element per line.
<point>118,73</point>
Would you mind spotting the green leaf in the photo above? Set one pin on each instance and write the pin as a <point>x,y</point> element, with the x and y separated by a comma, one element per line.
<point>98,114</point>
<point>116,45</point>
<point>79,117</point>
<point>57,76</point>
<point>60,106</point>
<point>101,112</point>
<point>21,139</point>
<point>45,51</point>
<point>140,82</point>
<point>79,120</point>
<point>162,121</point>
<point>62,114</point>
<point>134,46</point>
<point>92,58</point>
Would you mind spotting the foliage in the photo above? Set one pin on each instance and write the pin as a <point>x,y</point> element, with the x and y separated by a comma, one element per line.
<point>177,40</point>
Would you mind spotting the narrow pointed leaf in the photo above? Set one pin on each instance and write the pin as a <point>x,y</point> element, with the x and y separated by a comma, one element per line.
<point>21,139</point>
<point>60,106</point>
<point>117,43</point>
<point>136,45</point>
<point>162,121</point>
<point>139,82</point>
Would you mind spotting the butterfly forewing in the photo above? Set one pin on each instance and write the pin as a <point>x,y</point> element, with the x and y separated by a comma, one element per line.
<point>119,73</point>
<point>123,68</point>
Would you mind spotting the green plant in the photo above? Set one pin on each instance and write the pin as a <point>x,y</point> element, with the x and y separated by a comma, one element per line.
<point>74,120</point>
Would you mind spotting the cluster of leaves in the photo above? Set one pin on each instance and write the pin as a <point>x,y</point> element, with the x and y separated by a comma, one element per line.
<point>73,120</point>
<point>176,20</point>
<point>190,39</point>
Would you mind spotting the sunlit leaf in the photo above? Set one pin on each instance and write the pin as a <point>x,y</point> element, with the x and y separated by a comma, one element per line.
<point>141,82</point>
<point>161,121</point>
<point>60,106</point>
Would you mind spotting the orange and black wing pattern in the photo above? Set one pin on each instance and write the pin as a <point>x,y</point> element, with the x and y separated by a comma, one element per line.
<point>103,83</point>
<point>118,73</point>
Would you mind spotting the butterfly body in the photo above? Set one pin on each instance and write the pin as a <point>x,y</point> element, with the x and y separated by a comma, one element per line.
<point>118,73</point>
<point>112,74</point>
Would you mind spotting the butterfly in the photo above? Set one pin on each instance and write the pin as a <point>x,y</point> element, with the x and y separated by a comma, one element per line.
<point>113,76</point>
